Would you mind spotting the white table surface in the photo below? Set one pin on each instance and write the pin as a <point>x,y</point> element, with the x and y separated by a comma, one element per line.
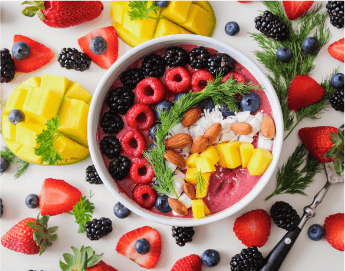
<point>305,255</point>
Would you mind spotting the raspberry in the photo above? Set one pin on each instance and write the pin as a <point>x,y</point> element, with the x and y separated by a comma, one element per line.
<point>140,116</point>
<point>144,195</point>
<point>200,79</point>
<point>133,143</point>
<point>177,80</point>
<point>150,90</point>
<point>234,75</point>
<point>141,171</point>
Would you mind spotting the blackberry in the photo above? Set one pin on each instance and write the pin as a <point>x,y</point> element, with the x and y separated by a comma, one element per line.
<point>120,100</point>
<point>284,216</point>
<point>1,208</point>
<point>111,123</point>
<point>6,66</point>
<point>119,167</point>
<point>220,63</point>
<point>182,235</point>
<point>71,58</point>
<point>98,228</point>
<point>271,26</point>
<point>336,13</point>
<point>337,100</point>
<point>198,57</point>
<point>250,259</point>
<point>110,146</point>
<point>153,66</point>
<point>131,77</point>
<point>175,56</point>
<point>92,175</point>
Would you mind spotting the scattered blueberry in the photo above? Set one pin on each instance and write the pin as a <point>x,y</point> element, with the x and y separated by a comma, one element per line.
<point>316,232</point>
<point>250,102</point>
<point>284,54</point>
<point>337,80</point>
<point>142,246</point>
<point>98,45</point>
<point>15,116</point>
<point>232,28</point>
<point>210,257</point>
<point>179,95</point>
<point>4,165</point>
<point>152,131</point>
<point>162,204</point>
<point>32,201</point>
<point>20,50</point>
<point>207,104</point>
<point>164,105</point>
<point>162,4</point>
<point>226,112</point>
<point>121,211</point>
<point>310,45</point>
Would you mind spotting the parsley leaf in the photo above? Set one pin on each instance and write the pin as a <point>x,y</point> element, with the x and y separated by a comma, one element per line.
<point>82,212</point>
<point>140,10</point>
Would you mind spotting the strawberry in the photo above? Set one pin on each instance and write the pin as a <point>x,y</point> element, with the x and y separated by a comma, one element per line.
<point>303,91</point>
<point>244,2</point>
<point>253,228</point>
<point>336,50</point>
<point>295,9</point>
<point>108,58</point>
<point>334,230</point>
<point>190,263</point>
<point>30,236</point>
<point>57,197</point>
<point>62,14</point>
<point>125,246</point>
<point>40,55</point>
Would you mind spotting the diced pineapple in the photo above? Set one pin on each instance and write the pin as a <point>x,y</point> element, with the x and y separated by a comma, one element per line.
<point>27,132</point>
<point>8,129</point>
<point>33,82</point>
<point>16,99</point>
<point>166,27</point>
<point>177,11</point>
<point>201,190</point>
<point>191,175</point>
<point>259,161</point>
<point>69,149</point>
<point>246,151</point>
<point>118,9</point>
<point>205,164</point>
<point>76,91</point>
<point>212,153</point>
<point>207,211</point>
<point>56,83</point>
<point>196,19</point>
<point>231,153</point>
<point>198,208</point>
<point>190,162</point>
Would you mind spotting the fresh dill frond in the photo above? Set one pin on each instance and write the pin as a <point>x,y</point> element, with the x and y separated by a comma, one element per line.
<point>200,181</point>
<point>8,155</point>
<point>141,10</point>
<point>12,159</point>
<point>22,167</point>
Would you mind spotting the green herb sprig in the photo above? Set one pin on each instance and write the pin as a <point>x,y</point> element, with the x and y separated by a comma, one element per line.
<point>337,151</point>
<point>141,10</point>
<point>35,7</point>
<point>22,165</point>
<point>200,181</point>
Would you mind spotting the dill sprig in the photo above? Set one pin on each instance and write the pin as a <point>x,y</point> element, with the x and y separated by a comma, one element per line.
<point>12,159</point>
<point>22,167</point>
<point>141,10</point>
<point>200,181</point>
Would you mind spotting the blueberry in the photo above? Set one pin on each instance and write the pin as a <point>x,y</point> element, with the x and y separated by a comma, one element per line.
<point>32,201</point>
<point>121,211</point>
<point>179,95</point>
<point>207,104</point>
<point>226,112</point>
<point>232,28</point>
<point>4,165</point>
<point>284,54</point>
<point>337,80</point>
<point>142,246</point>
<point>250,102</point>
<point>316,232</point>
<point>98,45</point>
<point>155,183</point>
<point>15,116</point>
<point>164,105</point>
<point>210,257</point>
<point>162,204</point>
<point>162,4</point>
<point>310,45</point>
<point>152,131</point>
<point>20,50</point>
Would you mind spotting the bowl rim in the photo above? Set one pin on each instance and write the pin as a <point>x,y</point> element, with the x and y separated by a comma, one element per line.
<point>151,46</point>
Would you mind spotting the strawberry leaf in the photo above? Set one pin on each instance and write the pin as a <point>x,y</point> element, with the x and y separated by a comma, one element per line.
<point>34,8</point>
<point>83,258</point>
<point>52,229</point>
<point>64,267</point>
<point>338,166</point>
<point>69,258</point>
<point>94,260</point>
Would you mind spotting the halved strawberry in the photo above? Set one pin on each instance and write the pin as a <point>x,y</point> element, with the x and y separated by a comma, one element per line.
<point>336,50</point>
<point>334,230</point>
<point>40,55</point>
<point>57,197</point>
<point>110,55</point>
<point>125,246</point>
<point>295,9</point>
<point>190,263</point>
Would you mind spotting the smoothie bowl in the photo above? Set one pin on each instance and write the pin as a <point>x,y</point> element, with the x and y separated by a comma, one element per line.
<point>185,130</point>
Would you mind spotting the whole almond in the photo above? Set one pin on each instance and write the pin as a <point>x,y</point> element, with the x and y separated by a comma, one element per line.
<point>179,141</point>
<point>213,132</point>
<point>241,128</point>
<point>189,190</point>
<point>175,158</point>
<point>177,206</point>
<point>200,143</point>
<point>192,115</point>
<point>268,128</point>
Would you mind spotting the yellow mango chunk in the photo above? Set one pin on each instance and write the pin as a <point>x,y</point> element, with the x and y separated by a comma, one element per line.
<point>198,21</point>
<point>177,11</point>
<point>198,208</point>
<point>190,162</point>
<point>12,145</point>
<point>28,154</point>
<point>246,151</point>
<point>259,161</point>
<point>207,211</point>
<point>231,153</point>
<point>33,82</point>
<point>212,153</point>
<point>205,164</point>
<point>76,91</point>
<point>221,160</point>
<point>165,27</point>
<point>118,9</point>
<point>27,132</point>
<point>56,83</point>
<point>201,190</point>
<point>48,106</point>
<point>127,36</point>
<point>191,175</point>
<point>184,31</point>
<point>68,148</point>
<point>16,100</point>
<point>32,102</point>
<point>8,129</point>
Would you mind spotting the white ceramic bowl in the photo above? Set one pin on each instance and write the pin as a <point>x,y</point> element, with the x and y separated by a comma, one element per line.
<point>143,50</point>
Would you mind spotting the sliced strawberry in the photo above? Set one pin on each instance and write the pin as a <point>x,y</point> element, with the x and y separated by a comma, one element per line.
<point>334,230</point>
<point>245,2</point>
<point>190,263</point>
<point>125,246</point>
<point>336,50</point>
<point>109,57</point>
<point>295,9</point>
<point>57,197</point>
<point>40,55</point>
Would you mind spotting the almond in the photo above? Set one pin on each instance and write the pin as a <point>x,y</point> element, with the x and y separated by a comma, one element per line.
<point>241,128</point>
<point>192,115</point>
<point>189,190</point>
<point>179,141</point>
<point>268,128</point>
<point>200,143</point>
<point>178,206</point>
<point>175,158</point>
<point>213,132</point>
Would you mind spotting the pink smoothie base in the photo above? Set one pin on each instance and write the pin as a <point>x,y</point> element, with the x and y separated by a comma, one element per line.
<point>226,187</point>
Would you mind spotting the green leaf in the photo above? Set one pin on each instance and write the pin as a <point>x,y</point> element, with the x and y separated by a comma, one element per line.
<point>33,225</point>
<point>53,237</point>
<point>52,229</point>
<point>83,260</point>
<point>338,167</point>
<point>28,13</point>
<point>77,253</point>
<point>94,260</point>
<point>64,267</point>
<point>29,3</point>
<point>38,235</point>
<point>45,220</point>
<point>335,138</point>
<point>41,15</point>
<point>332,152</point>
<point>89,252</point>
<point>69,259</point>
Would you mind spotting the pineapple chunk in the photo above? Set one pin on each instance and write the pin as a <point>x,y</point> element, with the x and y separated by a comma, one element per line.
<point>205,164</point>
<point>212,153</point>
<point>56,83</point>
<point>76,91</point>
<point>190,162</point>
<point>231,153</point>
<point>27,132</point>
<point>198,208</point>
<point>201,191</point>
<point>177,11</point>
<point>259,161</point>
<point>16,100</point>
<point>8,129</point>
<point>246,151</point>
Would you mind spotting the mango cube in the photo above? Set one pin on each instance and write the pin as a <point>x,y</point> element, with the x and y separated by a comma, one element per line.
<point>201,190</point>
<point>48,106</point>
<point>204,164</point>
<point>198,208</point>
<point>212,153</point>
<point>16,100</point>
<point>127,36</point>
<point>207,211</point>
<point>12,145</point>
<point>177,11</point>
<point>8,129</point>
<point>68,148</point>
<point>76,91</point>
<point>191,175</point>
<point>196,21</point>
<point>190,162</point>
<point>231,153</point>
<point>27,132</point>
<point>34,81</point>
<point>184,31</point>
<point>118,9</point>
<point>28,153</point>
<point>56,83</point>
<point>259,161</point>
<point>166,27</point>
<point>246,151</point>
<point>32,102</point>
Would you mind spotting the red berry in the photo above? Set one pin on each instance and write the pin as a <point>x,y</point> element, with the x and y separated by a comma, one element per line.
<point>336,50</point>
<point>235,75</point>
<point>144,195</point>
<point>133,143</point>
<point>334,230</point>
<point>295,9</point>
<point>140,116</point>
<point>200,79</point>
<point>141,171</point>
<point>177,80</point>
<point>150,90</point>
<point>189,263</point>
